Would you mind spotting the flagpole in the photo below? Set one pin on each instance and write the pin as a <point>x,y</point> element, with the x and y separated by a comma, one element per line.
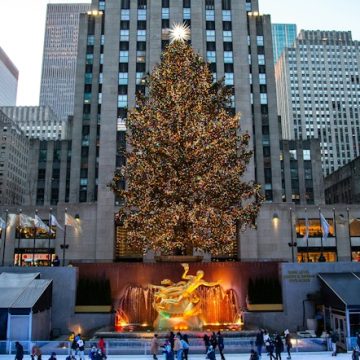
<point>64,243</point>
<point>307,235</point>
<point>19,235</point>
<point>349,234</point>
<point>34,239</point>
<point>291,244</point>
<point>322,245</point>
<point>335,234</point>
<point>49,234</point>
<point>3,254</point>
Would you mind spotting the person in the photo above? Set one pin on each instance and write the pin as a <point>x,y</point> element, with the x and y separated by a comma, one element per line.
<point>171,337</point>
<point>93,354</point>
<point>210,354</point>
<point>178,350</point>
<point>53,356</point>
<point>185,346</point>
<point>81,347</point>
<point>253,355</point>
<point>358,340</point>
<point>206,342</point>
<point>334,339</point>
<point>220,342</point>
<point>101,346</point>
<point>35,352</point>
<point>56,261</point>
<point>213,340</point>
<point>279,346</point>
<point>355,354</point>
<point>154,346</point>
<point>259,341</point>
<point>168,351</point>
<point>266,339</point>
<point>19,351</point>
<point>74,346</point>
<point>270,348</point>
<point>288,343</point>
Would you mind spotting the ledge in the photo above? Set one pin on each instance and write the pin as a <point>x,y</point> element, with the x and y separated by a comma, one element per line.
<point>265,307</point>
<point>178,258</point>
<point>93,308</point>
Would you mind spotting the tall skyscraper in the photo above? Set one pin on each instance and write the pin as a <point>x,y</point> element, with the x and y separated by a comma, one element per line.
<point>59,57</point>
<point>318,84</point>
<point>121,41</point>
<point>9,75</point>
<point>283,35</point>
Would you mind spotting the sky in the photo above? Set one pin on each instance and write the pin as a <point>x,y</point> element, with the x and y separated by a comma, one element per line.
<point>22,27</point>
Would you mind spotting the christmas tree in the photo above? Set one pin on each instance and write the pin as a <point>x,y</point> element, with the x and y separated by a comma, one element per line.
<point>183,173</point>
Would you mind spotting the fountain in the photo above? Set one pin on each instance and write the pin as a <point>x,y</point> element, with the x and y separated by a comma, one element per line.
<point>189,304</point>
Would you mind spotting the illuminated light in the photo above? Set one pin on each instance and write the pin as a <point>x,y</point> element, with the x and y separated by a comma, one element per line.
<point>179,32</point>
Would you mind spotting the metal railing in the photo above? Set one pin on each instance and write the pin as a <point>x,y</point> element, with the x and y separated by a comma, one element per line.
<point>142,346</point>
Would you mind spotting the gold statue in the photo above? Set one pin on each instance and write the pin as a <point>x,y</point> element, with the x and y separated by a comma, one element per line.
<point>177,304</point>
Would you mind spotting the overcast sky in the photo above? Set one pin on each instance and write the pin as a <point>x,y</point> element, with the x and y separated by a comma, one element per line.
<point>22,24</point>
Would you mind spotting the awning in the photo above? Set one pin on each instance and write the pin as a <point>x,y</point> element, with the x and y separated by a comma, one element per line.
<point>24,291</point>
<point>344,289</point>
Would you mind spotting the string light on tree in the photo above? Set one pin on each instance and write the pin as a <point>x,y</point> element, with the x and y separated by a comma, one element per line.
<point>179,32</point>
<point>184,172</point>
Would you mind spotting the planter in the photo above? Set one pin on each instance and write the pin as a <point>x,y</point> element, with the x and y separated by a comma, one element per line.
<point>178,258</point>
<point>93,308</point>
<point>265,307</point>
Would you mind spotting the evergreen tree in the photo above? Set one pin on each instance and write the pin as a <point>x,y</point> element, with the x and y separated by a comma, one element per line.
<point>183,172</point>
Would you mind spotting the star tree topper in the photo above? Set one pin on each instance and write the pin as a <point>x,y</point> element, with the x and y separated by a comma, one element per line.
<point>179,32</point>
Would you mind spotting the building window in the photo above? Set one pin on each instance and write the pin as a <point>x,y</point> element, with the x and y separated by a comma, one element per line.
<point>262,79</point>
<point>187,14</point>
<point>263,99</point>
<point>139,78</point>
<point>211,56</point>
<point>122,101</point>
<point>124,35</point>
<point>141,35</point>
<point>260,40</point>
<point>261,59</point>
<point>229,79</point>
<point>210,15</point>
<point>124,56</point>
<point>125,15</point>
<point>226,15</point>
<point>141,14</point>
<point>210,35</point>
<point>165,13</point>
<point>314,228</point>
<point>306,155</point>
<point>227,36</point>
<point>228,57</point>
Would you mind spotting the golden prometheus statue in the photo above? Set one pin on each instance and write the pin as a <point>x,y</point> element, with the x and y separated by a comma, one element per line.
<point>177,304</point>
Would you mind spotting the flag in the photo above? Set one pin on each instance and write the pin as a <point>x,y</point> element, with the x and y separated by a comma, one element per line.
<point>2,223</point>
<point>26,221</point>
<point>325,227</point>
<point>40,224</point>
<point>12,220</point>
<point>70,221</point>
<point>53,221</point>
<point>306,235</point>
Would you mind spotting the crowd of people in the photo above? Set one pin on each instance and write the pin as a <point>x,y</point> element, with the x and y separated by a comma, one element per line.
<point>177,346</point>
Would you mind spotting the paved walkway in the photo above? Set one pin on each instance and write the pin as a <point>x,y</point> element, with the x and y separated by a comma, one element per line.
<point>295,356</point>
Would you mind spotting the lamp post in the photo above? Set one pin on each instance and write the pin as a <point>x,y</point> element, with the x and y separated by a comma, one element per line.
<point>18,226</point>
<point>34,238</point>
<point>49,235</point>
<point>334,219</point>
<point>321,257</point>
<point>349,233</point>
<point>5,231</point>
<point>292,244</point>
<point>64,246</point>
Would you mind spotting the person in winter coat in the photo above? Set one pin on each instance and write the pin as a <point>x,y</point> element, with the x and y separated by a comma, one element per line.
<point>220,342</point>
<point>334,337</point>
<point>253,355</point>
<point>206,342</point>
<point>178,349</point>
<point>279,346</point>
<point>259,341</point>
<point>288,343</point>
<point>185,346</point>
<point>19,351</point>
<point>211,353</point>
<point>154,346</point>
<point>168,351</point>
<point>101,346</point>
<point>53,356</point>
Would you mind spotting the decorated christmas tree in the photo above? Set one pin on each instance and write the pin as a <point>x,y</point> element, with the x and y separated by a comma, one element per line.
<point>185,161</point>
